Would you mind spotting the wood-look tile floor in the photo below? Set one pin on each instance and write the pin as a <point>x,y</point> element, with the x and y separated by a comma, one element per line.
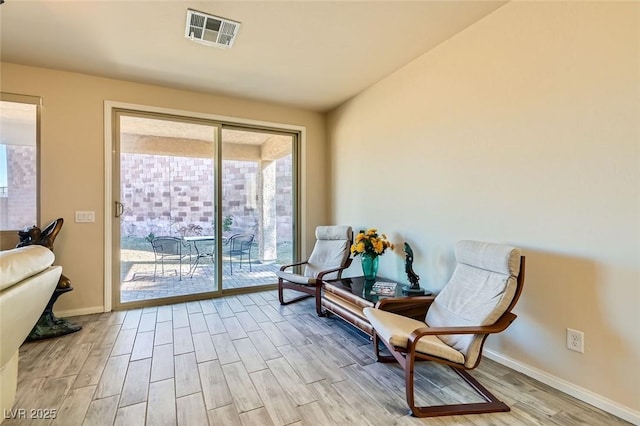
<point>245,360</point>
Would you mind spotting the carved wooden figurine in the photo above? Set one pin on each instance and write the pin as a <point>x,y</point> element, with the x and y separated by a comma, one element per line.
<point>413,278</point>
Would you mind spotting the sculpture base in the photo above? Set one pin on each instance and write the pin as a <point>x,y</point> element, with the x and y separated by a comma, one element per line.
<point>48,325</point>
<point>408,291</point>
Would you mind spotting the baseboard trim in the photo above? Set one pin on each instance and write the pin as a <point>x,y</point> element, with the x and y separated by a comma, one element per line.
<point>82,311</point>
<point>562,385</point>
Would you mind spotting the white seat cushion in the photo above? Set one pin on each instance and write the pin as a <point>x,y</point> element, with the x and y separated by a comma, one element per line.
<point>24,262</point>
<point>396,330</point>
<point>295,278</point>
<point>330,251</point>
<point>337,232</point>
<point>498,258</point>
<point>479,292</point>
<point>326,255</point>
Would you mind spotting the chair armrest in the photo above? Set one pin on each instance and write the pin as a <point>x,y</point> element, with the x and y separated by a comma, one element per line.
<point>496,327</point>
<point>394,301</point>
<point>329,271</point>
<point>283,267</point>
<point>415,307</point>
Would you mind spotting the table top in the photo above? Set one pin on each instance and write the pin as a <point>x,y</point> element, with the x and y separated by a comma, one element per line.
<point>200,238</point>
<point>204,238</point>
<point>361,288</point>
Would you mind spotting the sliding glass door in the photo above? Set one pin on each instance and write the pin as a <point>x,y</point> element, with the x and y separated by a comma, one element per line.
<point>165,209</point>
<point>201,207</point>
<point>258,206</point>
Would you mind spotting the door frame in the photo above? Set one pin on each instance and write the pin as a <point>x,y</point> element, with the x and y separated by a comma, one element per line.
<point>110,161</point>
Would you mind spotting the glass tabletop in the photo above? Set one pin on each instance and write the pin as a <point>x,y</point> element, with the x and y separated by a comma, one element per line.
<point>367,289</point>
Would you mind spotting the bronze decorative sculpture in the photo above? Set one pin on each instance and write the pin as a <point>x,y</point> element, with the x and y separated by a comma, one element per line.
<point>48,325</point>
<point>414,278</point>
<point>46,237</point>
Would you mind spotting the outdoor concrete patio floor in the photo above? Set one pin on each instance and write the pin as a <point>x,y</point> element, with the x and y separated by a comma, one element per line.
<point>138,282</point>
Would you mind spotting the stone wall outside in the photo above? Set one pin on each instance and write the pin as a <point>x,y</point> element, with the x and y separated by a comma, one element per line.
<point>162,195</point>
<point>167,195</point>
<point>19,210</point>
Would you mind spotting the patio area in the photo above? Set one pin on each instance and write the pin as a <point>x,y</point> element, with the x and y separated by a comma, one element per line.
<point>138,282</point>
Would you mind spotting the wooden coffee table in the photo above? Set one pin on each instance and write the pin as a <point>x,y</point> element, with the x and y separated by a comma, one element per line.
<point>347,297</point>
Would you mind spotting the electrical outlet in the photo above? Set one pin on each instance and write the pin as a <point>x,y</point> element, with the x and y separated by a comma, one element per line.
<point>575,340</point>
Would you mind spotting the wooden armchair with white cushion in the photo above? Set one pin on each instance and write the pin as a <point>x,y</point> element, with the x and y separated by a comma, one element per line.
<point>476,302</point>
<point>330,256</point>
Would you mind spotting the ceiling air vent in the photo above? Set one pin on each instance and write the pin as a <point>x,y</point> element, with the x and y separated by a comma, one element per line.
<point>211,30</point>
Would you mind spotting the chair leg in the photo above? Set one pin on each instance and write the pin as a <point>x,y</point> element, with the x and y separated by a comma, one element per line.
<point>409,381</point>
<point>376,348</point>
<point>295,299</point>
<point>318,301</point>
<point>280,292</point>
<point>492,404</point>
<point>248,257</point>
<point>407,362</point>
<point>155,266</point>
<point>376,345</point>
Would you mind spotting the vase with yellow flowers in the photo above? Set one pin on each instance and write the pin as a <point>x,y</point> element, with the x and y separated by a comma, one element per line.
<point>371,246</point>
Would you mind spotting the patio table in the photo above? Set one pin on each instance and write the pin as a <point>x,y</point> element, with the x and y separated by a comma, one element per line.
<point>195,240</point>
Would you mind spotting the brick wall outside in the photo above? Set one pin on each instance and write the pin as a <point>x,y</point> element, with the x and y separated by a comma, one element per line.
<point>20,207</point>
<point>167,195</point>
<point>162,194</point>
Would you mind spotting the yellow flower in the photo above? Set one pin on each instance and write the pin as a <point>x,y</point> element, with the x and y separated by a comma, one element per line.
<point>370,243</point>
<point>357,248</point>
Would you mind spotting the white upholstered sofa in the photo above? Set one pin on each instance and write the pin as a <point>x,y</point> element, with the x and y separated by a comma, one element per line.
<point>27,281</point>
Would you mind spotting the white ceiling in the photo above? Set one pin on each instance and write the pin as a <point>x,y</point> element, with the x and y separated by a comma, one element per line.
<point>312,55</point>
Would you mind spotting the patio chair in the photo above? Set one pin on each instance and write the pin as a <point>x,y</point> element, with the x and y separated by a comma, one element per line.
<point>170,249</point>
<point>239,245</point>
<point>330,256</point>
<point>476,302</point>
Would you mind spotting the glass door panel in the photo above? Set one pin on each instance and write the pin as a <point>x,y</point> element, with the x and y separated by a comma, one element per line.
<point>166,212</point>
<point>257,200</point>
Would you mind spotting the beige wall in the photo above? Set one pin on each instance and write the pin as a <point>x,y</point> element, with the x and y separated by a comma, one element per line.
<point>72,153</point>
<point>522,129</point>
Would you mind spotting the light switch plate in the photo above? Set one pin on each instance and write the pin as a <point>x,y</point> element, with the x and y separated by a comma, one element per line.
<point>85,217</point>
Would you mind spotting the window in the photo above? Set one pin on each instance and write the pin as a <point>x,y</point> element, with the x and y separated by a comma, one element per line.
<point>19,121</point>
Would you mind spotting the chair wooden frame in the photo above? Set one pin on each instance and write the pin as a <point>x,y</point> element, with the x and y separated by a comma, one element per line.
<point>312,287</point>
<point>311,290</point>
<point>408,356</point>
